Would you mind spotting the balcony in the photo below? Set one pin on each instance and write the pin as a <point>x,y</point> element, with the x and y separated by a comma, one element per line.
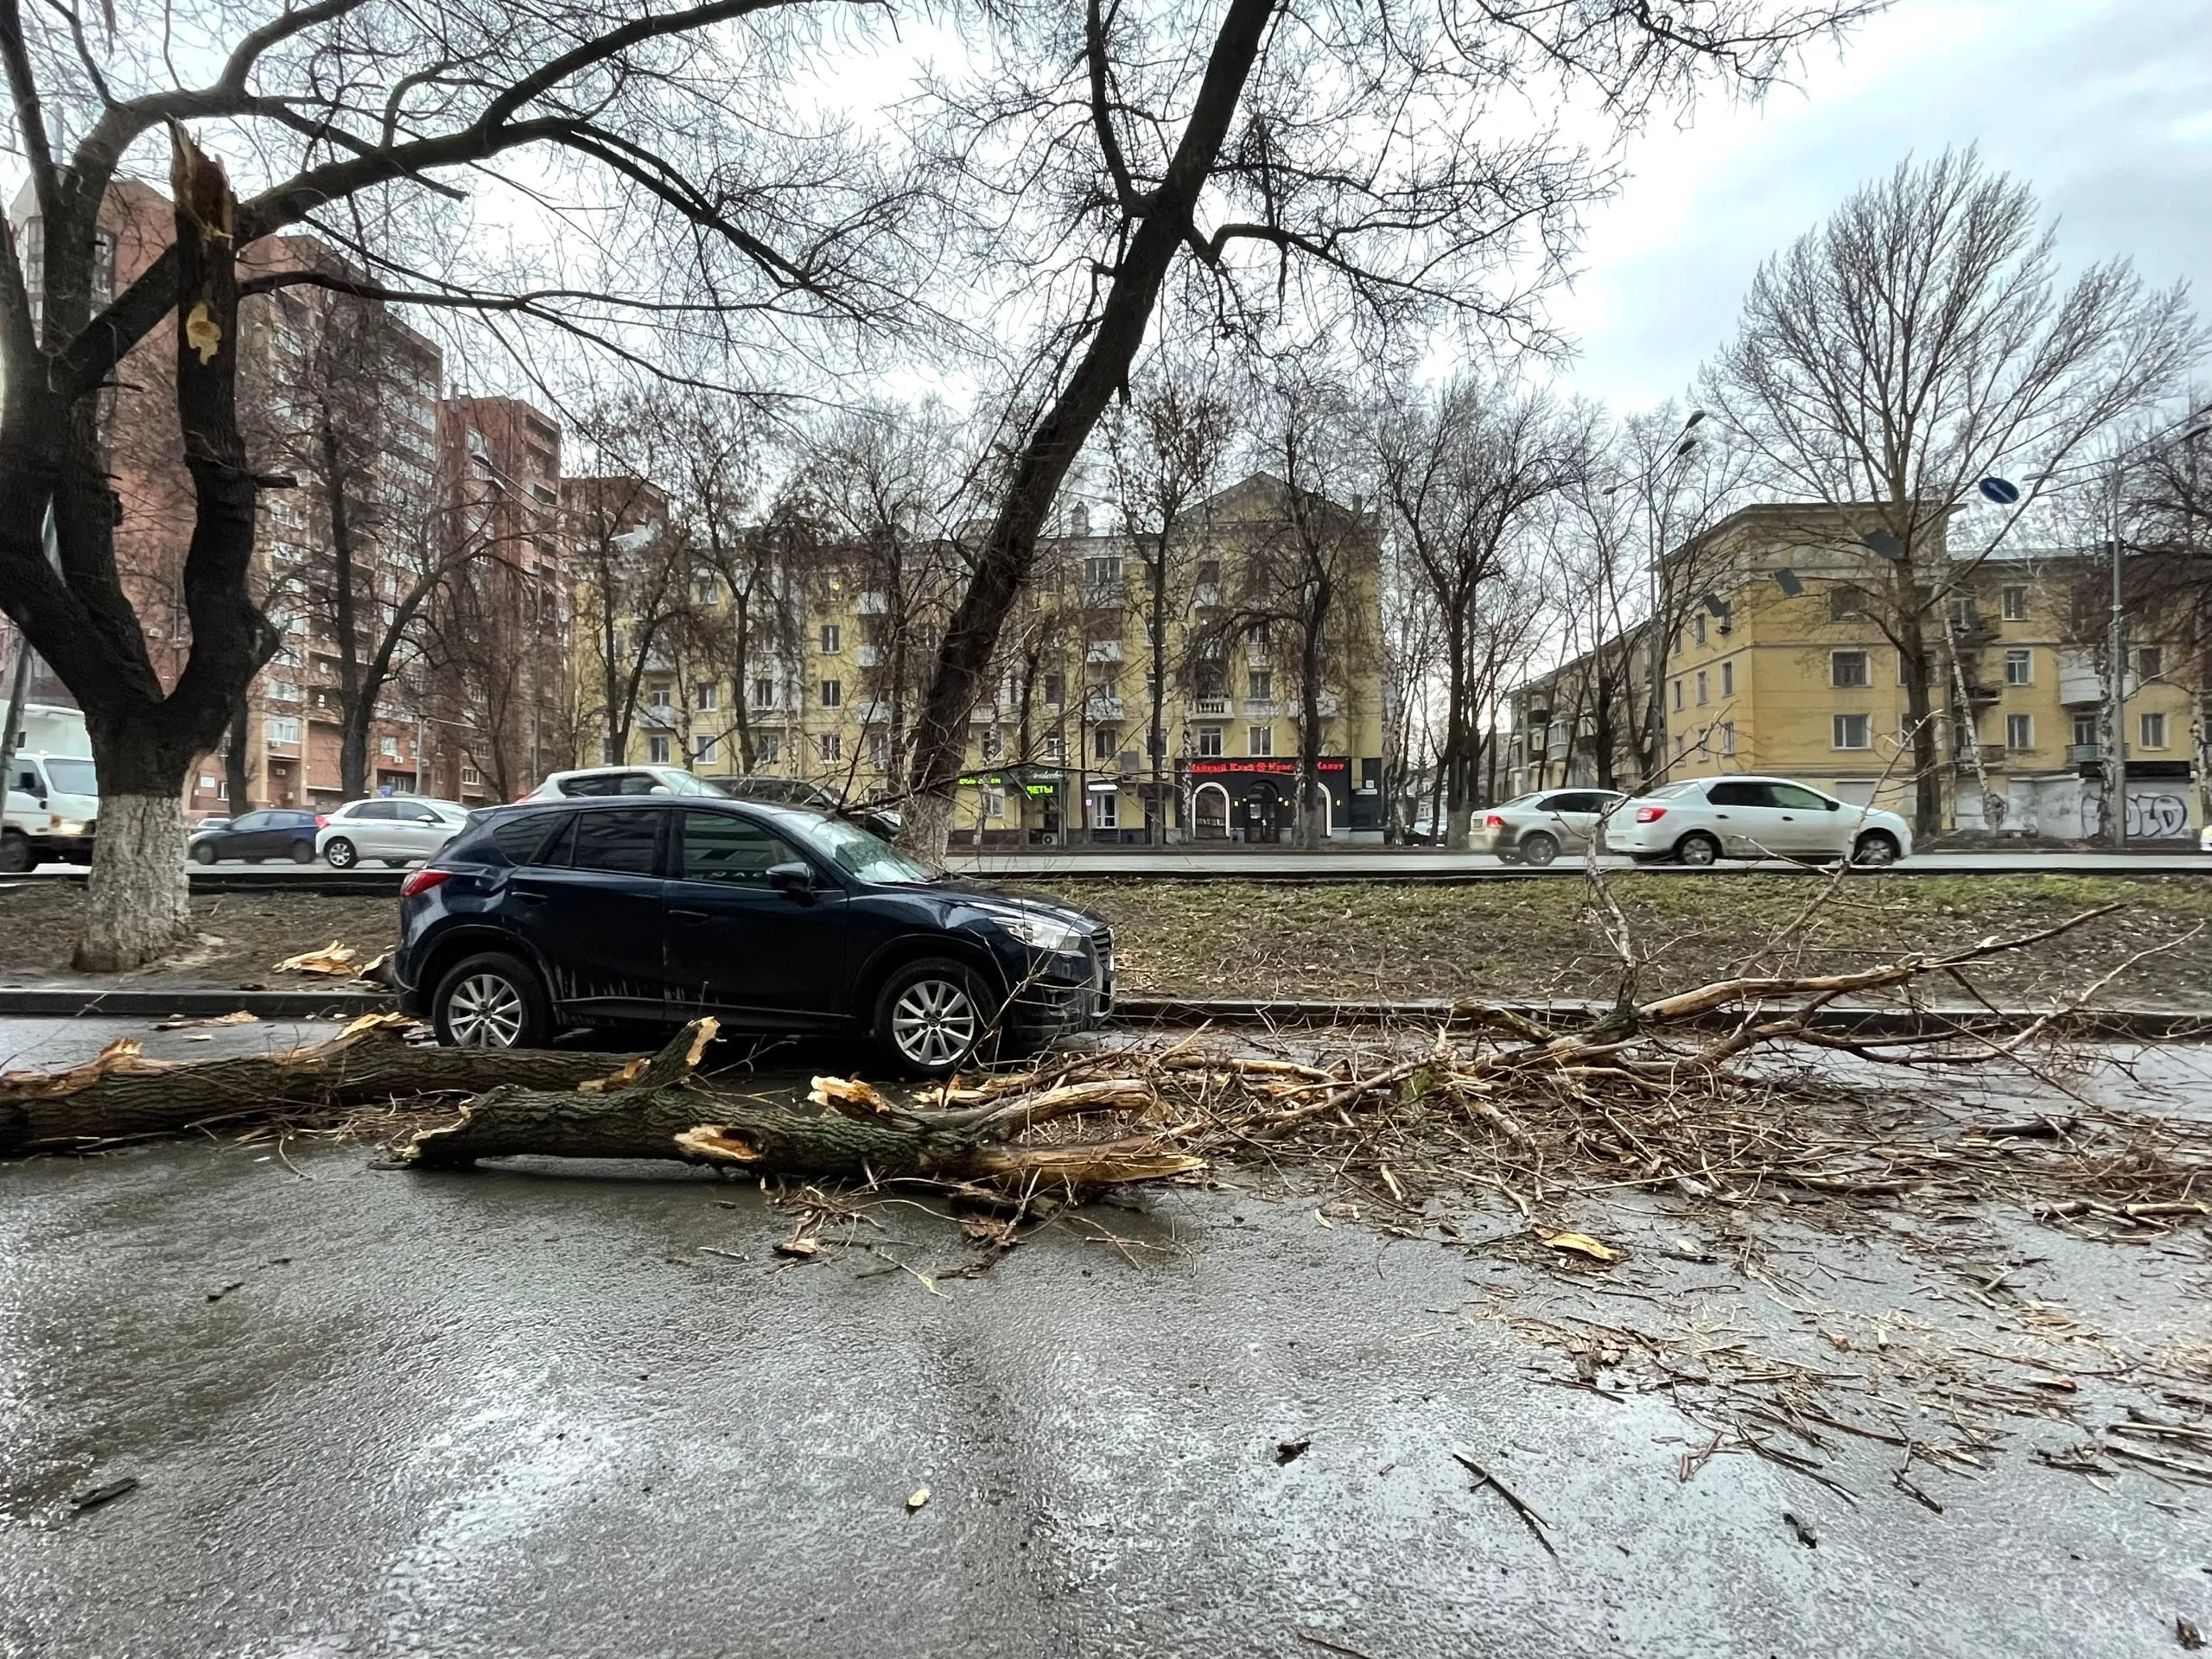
<point>1971,624</point>
<point>2081,681</point>
<point>871,604</point>
<point>2085,754</point>
<point>868,656</point>
<point>1208,709</point>
<point>1102,651</point>
<point>658,717</point>
<point>1259,708</point>
<point>1206,595</point>
<point>1097,708</point>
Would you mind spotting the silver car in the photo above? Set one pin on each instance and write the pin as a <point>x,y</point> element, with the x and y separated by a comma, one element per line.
<point>398,829</point>
<point>1536,829</point>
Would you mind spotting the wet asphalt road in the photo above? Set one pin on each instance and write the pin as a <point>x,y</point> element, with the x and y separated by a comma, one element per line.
<point>538,1411</point>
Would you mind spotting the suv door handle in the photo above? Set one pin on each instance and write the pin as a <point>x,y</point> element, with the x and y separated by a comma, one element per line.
<point>529,897</point>
<point>687,916</point>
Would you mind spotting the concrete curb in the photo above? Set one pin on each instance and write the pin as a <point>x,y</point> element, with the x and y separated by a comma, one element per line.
<point>2147,1025</point>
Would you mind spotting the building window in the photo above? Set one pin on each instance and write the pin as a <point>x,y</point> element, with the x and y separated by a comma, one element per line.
<point>1728,737</point>
<point>1848,668</point>
<point>2152,728</point>
<point>1261,740</point>
<point>2019,733</point>
<point>1054,748</point>
<point>1105,742</point>
<point>1853,732</point>
<point>1055,689</point>
<point>828,748</point>
<point>878,750</point>
<point>1727,679</point>
<point>1846,603</point>
<point>2019,668</point>
<point>1208,740</point>
<point>705,748</point>
<point>1678,694</point>
<point>1697,628</point>
<point>656,749</point>
<point>1262,684</point>
<point>2013,604</point>
<point>992,746</point>
<point>763,692</point>
<point>1102,572</point>
<point>2149,662</point>
<point>2085,730</point>
<point>660,697</point>
<point>1105,809</point>
<point>283,728</point>
<point>706,695</point>
<point>706,590</point>
<point>606,755</point>
<point>833,693</point>
<point>829,639</point>
<point>768,748</point>
<point>388,747</point>
<point>470,775</point>
<point>1701,688</point>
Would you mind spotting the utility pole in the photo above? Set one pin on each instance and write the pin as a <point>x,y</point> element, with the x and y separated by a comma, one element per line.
<point>2114,754</point>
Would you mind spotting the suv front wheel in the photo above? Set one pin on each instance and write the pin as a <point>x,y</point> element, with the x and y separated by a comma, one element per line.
<point>492,1001</point>
<point>934,1016</point>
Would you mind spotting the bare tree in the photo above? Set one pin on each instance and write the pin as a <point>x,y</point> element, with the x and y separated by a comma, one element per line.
<point>1463,472</point>
<point>1166,448</point>
<point>665,130</point>
<point>1316,159</point>
<point>1918,341</point>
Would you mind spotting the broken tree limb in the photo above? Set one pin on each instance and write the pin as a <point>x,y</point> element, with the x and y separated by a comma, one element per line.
<point>120,1094</point>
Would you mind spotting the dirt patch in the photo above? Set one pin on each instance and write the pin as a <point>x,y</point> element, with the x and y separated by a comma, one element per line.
<point>244,935</point>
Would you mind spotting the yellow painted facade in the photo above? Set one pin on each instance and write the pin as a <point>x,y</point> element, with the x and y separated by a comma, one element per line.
<point>1060,750</point>
<point>1807,686</point>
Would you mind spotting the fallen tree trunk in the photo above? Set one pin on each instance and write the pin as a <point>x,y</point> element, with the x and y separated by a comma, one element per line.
<point>121,1096</point>
<point>657,1110</point>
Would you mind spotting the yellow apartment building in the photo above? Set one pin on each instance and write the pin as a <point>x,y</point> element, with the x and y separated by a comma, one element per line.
<point>1057,753</point>
<point>1781,669</point>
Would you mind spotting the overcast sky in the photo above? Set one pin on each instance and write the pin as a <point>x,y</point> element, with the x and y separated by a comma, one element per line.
<point>2105,108</point>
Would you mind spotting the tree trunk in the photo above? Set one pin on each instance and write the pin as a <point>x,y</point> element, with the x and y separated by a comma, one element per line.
<point>1928,782</point>
<point>121,1097</point>
<point>138,906</point>
<point>1008,553</point>
<point>1454,760</point>
<point>238,785</point>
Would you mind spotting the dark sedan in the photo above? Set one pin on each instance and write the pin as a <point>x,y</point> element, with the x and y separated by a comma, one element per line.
<point>273,832</point>
<point>771,918</point>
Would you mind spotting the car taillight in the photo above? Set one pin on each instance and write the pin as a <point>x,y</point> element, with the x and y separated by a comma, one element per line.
<point>322,820</point>
<point>423,882</point>
<point>1493,822</point>
<point>1649,813</point>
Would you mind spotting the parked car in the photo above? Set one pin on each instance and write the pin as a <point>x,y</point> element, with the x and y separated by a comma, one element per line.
<point>22,826</point>
<point>1701,819</point>
<point>398,829</point>
<point>271,832</point>
<point>64,785</point>
<point>879,821</point>
<point>1536,829</point>
<point>620,780</point>
<point>771,918</point>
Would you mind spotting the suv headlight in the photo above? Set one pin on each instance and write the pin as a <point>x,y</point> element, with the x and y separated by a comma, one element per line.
<point>69,827</point>
<point>1041,933</point>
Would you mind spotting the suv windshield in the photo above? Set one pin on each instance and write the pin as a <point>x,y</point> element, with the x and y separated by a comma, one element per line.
<point>852,849</point>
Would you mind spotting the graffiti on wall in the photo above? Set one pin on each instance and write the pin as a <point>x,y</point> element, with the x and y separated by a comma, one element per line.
<point>2149,818</point>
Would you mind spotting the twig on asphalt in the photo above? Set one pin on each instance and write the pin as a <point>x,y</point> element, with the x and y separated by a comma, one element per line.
<point>1535,1523</point>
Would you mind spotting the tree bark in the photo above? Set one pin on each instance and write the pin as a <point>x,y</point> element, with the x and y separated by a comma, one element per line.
<point>122,1096</point>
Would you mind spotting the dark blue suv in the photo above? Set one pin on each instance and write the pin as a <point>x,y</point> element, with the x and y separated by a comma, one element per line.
<point>771,918</point>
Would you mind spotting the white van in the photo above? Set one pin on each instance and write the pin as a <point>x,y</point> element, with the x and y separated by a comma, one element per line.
<point>53,766</point>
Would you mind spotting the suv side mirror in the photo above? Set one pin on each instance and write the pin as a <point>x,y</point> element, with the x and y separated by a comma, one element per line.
<point>1835,806</point>
<point>795,879</point>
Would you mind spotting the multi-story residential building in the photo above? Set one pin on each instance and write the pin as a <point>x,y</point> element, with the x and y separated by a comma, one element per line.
<point>1583,724</point>
<point>1786,669</point>
<point>501,695</point>
<point>1057,750</point>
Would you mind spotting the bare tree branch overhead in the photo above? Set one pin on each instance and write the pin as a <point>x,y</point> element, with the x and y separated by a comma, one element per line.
<point>1352,170</point>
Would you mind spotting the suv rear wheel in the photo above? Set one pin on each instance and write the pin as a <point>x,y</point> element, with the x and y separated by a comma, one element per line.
<point>1540,848</point>
<point>15,851</point>
<point>492,1001</point>
<point>339,851</point>
<point>934,1016</point>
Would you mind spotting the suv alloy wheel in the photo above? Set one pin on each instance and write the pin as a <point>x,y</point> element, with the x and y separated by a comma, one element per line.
<point>933,1016</point>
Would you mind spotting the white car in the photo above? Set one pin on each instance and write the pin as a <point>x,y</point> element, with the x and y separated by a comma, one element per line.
<point>1701,819</point>
<point>398,829</point>
<point>1536,829</point>
<point>620,780</point>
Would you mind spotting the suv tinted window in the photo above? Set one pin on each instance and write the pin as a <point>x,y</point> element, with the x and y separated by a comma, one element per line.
<point>722,847</point>
<point>379,810</point>
<point>252,821</point>
<point>622,842</point>
<point>1730,794</point>
<point>518,838</point>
